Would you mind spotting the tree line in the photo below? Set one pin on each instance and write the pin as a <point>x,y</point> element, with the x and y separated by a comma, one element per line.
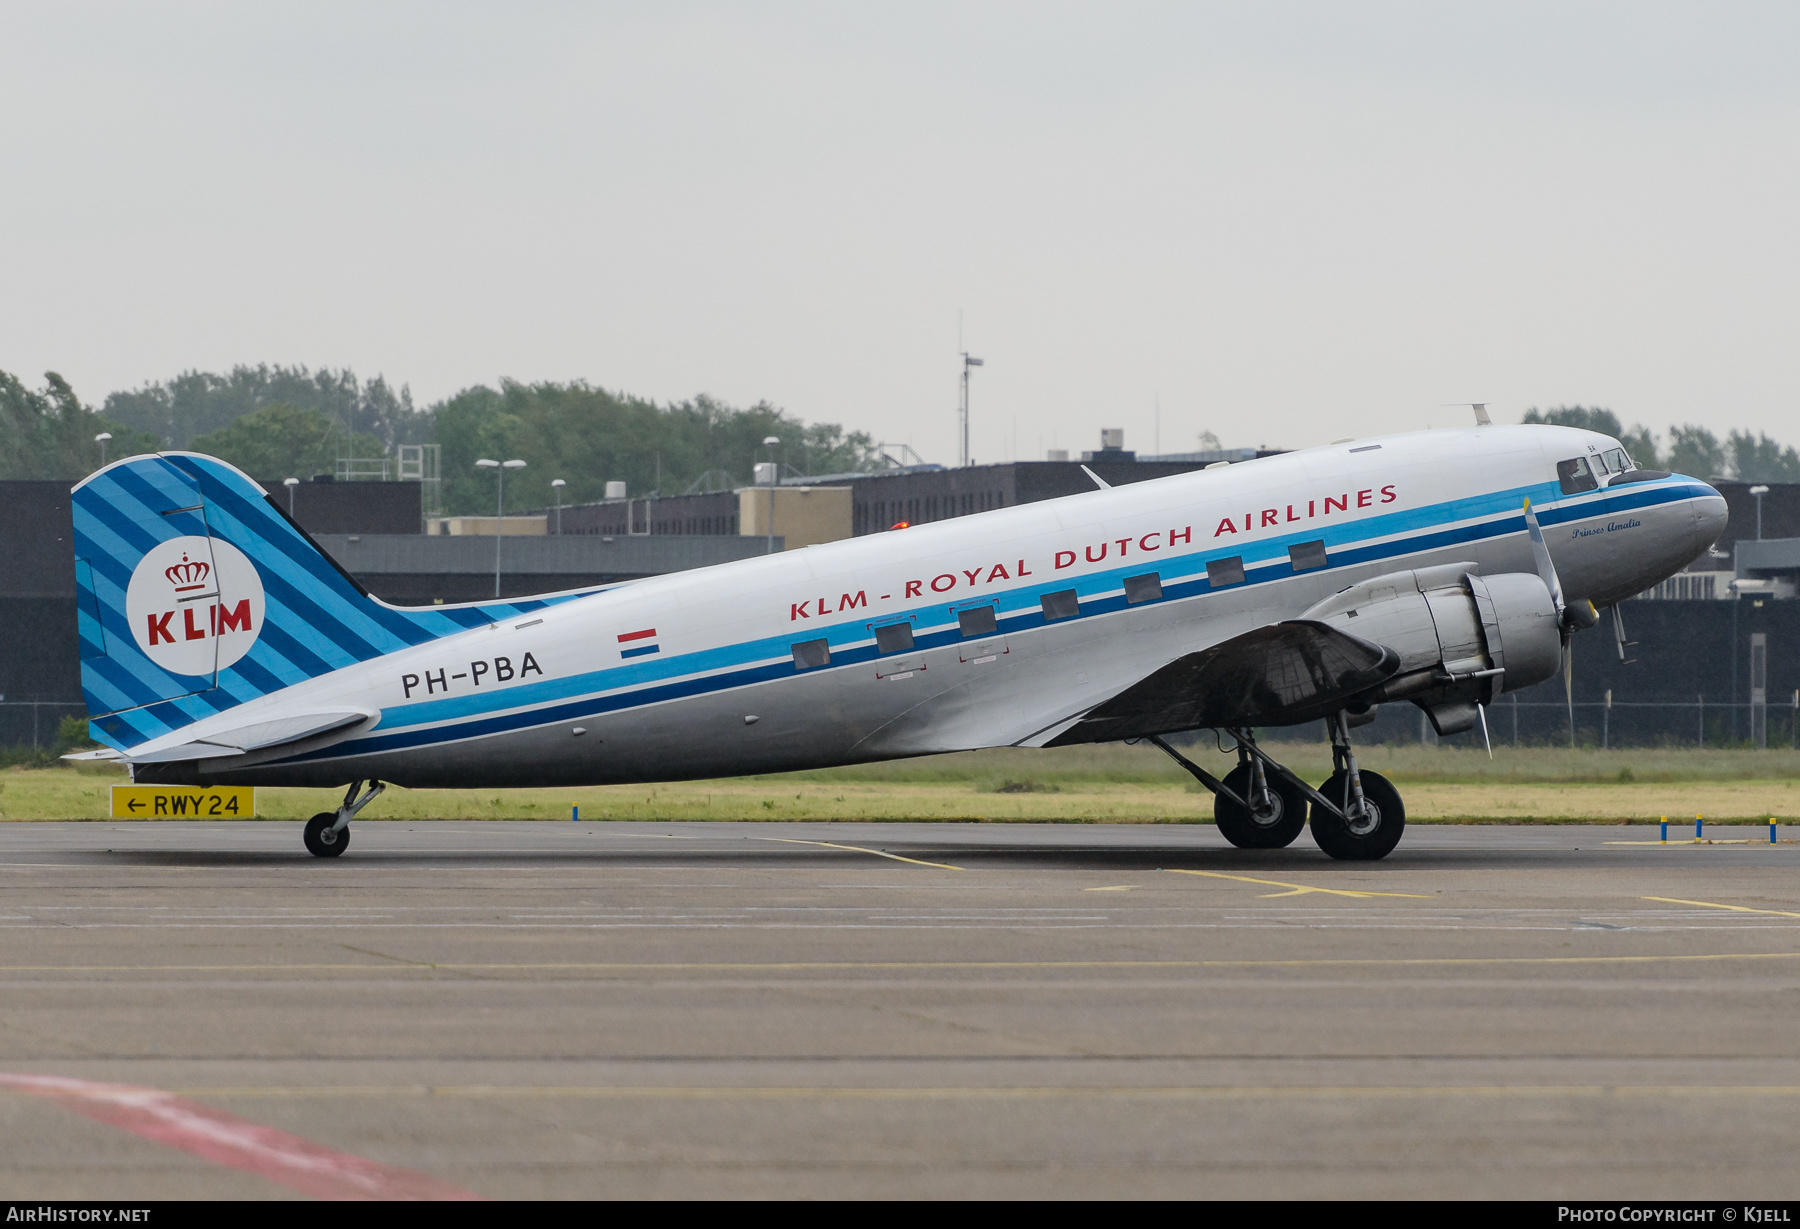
<point>1690,448</point>
<point>276,422</point>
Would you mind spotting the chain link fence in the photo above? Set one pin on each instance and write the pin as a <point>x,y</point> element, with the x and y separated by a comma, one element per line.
<point>1512,722</point>
<point>33,724</point>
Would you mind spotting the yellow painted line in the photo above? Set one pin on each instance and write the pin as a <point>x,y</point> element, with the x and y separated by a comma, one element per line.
<point>838,966</point>
<point>1690,841</point>
<point>1202,1092</point>
<point>788,840</point>
<point>1131,888</point>
<point>1707,904</point>
<point>1298,889</point>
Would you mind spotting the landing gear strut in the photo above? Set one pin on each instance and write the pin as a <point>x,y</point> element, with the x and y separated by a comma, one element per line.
<point>1356,815</point>
<point>1362,817</point>
<point>328,833</point>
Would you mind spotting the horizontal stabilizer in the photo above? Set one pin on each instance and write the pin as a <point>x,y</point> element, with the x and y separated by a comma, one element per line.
<point>1281,674</point>
<point>102,755</point>
<point>252,737</point>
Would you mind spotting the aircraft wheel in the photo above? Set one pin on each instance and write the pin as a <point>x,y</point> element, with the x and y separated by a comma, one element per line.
<point>321,841</point>
<point>1248,830</point>
<point>1376,835</point>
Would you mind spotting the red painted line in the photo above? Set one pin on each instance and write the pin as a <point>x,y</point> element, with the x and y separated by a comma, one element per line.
<point>226,1139</point>
<point>648,631</point>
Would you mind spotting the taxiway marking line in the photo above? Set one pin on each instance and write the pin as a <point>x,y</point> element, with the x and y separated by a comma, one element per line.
<point>1124,888</point>
<point>788,840</point>
<point>1707,904</point>
<point>1202,1092</point>
<point>225,1139</point>
<point>632,836</point>
<point>1298,889</point>
<point>827,966</point>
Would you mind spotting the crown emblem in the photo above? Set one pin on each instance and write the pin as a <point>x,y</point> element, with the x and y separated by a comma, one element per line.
<point>187,576</point>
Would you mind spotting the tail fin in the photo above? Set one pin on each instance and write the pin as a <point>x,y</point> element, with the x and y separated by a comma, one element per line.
<point>197,593</point>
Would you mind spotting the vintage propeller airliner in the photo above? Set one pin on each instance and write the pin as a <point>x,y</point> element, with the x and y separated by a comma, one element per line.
<point>221,646</point>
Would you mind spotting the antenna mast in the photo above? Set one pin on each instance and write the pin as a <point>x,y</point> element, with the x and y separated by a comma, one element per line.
<point>968,362</point>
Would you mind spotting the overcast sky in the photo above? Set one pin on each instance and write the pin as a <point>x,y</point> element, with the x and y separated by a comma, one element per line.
<point>1285,223</point>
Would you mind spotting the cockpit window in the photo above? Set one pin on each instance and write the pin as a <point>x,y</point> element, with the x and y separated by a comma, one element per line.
<point>1616,461</point>
<point>1575,475</point>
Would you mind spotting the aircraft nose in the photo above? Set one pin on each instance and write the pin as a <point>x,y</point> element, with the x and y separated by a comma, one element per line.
<point>1710,515</point>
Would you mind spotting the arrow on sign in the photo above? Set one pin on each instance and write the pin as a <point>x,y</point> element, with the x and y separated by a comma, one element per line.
<point>133,805</point>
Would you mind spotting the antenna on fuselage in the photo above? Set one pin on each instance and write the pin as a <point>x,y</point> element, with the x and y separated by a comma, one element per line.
<point>1480,408</point>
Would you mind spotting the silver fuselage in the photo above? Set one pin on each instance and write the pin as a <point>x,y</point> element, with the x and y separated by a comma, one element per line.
<point>717,689</point>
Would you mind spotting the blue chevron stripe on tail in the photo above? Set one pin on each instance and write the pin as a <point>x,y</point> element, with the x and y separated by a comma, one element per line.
<point>196,593</point>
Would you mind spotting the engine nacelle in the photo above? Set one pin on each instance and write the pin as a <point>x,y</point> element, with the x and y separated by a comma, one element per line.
<point>1462,638</point>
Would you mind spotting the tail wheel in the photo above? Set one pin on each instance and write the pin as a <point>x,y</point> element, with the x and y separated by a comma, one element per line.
<point>324,839</point>
<point>1275,827</point>
<point>1368,837</point>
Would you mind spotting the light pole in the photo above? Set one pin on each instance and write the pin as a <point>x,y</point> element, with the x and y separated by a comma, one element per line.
<point>968,362</point>
<point>290,484</point>
<point>1759,492</point>
<point>556,489</point>
<point>499,468</point>
<point>101,440</point>
<point>772,443</point>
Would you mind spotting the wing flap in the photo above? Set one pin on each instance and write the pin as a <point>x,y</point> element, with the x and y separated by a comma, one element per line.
<point>1280,674</point>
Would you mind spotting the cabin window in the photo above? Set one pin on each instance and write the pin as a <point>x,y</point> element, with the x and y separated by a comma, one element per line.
<point>976,621</point>
<point>1062,604</point>
<point>1305,556</point>
<point>810,654</point>
<point>1575,476</point>
<point>1145,588</point>
<point>894,637</point>
<point>1222,572</point>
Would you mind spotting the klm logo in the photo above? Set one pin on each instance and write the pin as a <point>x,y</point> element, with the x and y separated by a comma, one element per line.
<point>194,605</point>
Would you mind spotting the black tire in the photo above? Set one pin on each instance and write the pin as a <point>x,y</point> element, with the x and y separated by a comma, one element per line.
<point>321,841</point>
<point>1247,831</point>
<point>1338,839</point>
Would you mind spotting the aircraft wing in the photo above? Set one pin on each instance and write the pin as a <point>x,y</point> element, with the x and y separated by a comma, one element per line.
<point>1280,674</point>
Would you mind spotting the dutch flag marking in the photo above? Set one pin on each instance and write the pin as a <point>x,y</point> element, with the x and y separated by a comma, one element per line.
<point>639,650</point>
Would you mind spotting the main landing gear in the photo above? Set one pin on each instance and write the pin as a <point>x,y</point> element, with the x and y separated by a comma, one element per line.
<point>328,832</point>
<point>1356,815</point>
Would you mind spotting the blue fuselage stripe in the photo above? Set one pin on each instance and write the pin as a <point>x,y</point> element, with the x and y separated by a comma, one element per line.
<point>449,720</point>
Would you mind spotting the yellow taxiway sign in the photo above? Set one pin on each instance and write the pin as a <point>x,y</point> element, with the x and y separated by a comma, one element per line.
<point>183,802</point>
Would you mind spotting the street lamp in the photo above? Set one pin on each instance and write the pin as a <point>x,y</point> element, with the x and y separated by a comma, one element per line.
<point>772,443</point>
<point>1759,492</point>
<point>556,489</point>
<point>290,484</point>
<point>499,468</point>
<point>101,440</point>
<point>968,362</point>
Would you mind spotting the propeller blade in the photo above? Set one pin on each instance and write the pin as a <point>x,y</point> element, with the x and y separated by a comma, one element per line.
<point>1541,553</point>
<point>1481,711</point>
<point>1568,656</point>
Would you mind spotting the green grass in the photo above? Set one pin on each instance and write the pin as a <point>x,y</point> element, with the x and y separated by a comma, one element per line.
<point>1115,763</point>
<point>1098,784</point>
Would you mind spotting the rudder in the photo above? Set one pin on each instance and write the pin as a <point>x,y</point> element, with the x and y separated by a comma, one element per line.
<point>196,593</point>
